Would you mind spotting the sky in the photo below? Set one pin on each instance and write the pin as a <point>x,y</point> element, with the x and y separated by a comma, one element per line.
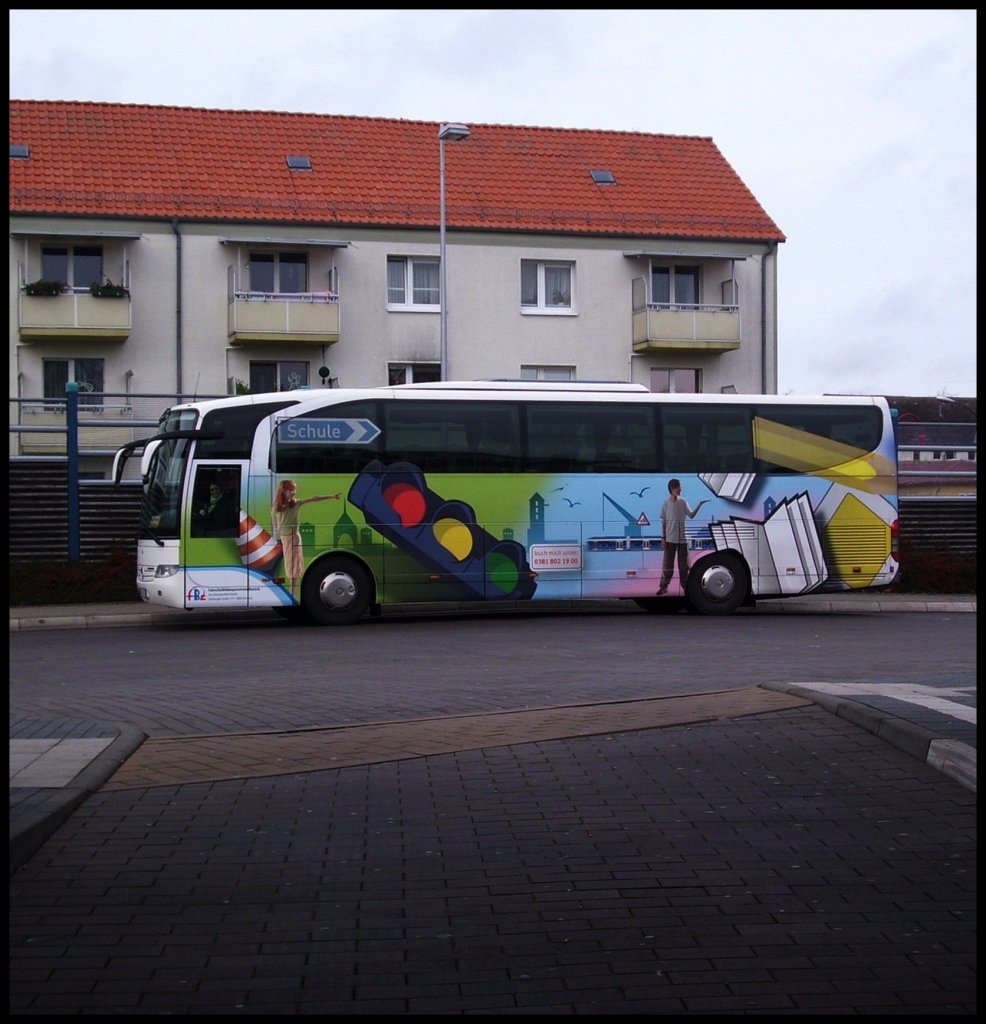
<point>855,130</point>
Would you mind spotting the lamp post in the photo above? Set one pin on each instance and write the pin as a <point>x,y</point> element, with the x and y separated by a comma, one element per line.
<point>452,133</point>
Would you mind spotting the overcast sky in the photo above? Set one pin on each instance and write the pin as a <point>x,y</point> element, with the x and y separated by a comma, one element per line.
<point>856,131</point>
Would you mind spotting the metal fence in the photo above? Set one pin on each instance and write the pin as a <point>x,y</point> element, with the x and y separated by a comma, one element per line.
<point>38,524</point>
<point>106,422</point>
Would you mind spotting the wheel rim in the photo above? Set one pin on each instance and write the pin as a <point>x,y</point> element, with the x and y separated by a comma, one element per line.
<point>337,591</point>
<point>718,583</point>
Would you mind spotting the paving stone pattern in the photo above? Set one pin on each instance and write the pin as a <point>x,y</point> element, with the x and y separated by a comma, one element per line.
<point>786,862</point>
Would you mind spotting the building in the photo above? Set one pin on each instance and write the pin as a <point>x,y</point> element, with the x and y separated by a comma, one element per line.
<point>936,439</point>
<point>166,250</point>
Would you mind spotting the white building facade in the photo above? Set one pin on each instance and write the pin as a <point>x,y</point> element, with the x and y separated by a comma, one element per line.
<point>193,305</point>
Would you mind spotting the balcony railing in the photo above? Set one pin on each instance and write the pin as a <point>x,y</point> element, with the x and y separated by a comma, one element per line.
<point>660,326</point>
<point>74,314</point>
<point>295,317</point>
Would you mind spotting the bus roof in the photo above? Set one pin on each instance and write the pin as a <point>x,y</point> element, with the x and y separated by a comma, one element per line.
<point>518,389</point>
<point>505,384</point>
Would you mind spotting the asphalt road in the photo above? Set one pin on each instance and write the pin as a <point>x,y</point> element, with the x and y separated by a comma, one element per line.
<point>217,677</point>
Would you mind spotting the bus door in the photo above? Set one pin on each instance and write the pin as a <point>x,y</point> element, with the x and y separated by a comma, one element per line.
<point>214,571</point>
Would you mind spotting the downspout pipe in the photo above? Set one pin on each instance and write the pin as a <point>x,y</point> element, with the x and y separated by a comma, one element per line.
<point>178,317</point>
<point>770,260</point>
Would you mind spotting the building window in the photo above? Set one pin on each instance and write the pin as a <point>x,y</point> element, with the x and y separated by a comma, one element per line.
<point>676,382</point>
<point>78,266</point>
<point>546,287</point>
<point>279,272</point>
<point>413,373</point>
<point>87,373</point>
<point>674,286</point>
<point>412,282</point>
<point>547,373</point>
<point>277,376</point>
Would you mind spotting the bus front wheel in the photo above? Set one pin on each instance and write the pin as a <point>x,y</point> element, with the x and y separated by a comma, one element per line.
<point>717,585</point>
<point>337,591</point>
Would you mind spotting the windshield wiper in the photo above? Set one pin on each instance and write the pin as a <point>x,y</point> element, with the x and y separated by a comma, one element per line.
<point>154,537</point>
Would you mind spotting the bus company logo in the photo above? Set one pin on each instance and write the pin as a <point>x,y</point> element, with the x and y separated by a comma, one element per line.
<point>197,594</point>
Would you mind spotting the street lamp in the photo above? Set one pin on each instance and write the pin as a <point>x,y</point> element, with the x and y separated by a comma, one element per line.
<point>451,133</point>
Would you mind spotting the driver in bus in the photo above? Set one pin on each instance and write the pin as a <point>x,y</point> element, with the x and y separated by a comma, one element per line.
<point>217,517</point>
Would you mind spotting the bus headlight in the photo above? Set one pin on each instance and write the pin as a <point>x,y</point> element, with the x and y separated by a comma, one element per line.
<point>165,570</point>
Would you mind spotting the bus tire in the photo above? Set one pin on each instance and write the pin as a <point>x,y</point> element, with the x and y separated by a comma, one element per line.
<point>718,584</point>
<point>337,591</point>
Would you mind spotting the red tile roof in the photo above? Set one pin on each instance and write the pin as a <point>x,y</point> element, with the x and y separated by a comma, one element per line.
<point>124,160</point>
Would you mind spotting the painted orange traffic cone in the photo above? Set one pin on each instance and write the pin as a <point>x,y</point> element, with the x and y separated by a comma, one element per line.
<point>258,549</point>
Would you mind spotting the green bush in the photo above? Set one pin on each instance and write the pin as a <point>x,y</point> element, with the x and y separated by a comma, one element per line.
<point>47,581</point>
<point>935,571</point>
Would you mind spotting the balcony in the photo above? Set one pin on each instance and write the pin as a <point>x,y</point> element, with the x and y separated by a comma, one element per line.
<point>74,315</point>
<point>664,327</point>
<point>296,318</point>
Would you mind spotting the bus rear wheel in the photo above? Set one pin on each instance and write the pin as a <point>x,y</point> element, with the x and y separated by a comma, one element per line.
<point>337,591</point>
<point>717,585</point>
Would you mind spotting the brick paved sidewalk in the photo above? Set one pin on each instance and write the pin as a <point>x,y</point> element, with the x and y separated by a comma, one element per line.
<point>785,861</point>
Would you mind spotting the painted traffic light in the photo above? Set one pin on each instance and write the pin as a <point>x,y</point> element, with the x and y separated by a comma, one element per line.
<point>440,534</point>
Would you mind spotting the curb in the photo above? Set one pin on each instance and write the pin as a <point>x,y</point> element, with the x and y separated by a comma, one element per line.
<point>951,757</point>
<point>96,616</point>
<point>105,619</point>
<point>30,830</point>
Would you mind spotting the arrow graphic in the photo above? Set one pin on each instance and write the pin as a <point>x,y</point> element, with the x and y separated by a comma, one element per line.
<point>302,430</point>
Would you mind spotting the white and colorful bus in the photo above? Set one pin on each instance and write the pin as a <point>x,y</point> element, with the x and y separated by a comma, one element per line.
<point>333,503</point>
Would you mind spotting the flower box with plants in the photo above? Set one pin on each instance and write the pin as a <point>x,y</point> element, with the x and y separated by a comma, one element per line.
<point>109,290</point>
<point>42,287</point>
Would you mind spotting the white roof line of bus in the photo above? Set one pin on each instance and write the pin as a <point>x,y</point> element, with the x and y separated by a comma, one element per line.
<point>564,390</point>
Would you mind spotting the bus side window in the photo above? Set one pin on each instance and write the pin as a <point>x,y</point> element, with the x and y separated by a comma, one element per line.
<point>216,501</point>
<point>499,447</point>
<point>675,448</point>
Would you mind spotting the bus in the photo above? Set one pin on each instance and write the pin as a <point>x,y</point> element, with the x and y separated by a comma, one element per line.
<point>341,502</point>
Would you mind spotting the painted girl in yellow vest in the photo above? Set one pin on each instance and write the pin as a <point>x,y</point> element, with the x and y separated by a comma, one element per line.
<point>284,516</point>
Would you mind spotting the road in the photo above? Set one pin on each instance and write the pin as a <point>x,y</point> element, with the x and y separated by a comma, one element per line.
<point>197,677</point>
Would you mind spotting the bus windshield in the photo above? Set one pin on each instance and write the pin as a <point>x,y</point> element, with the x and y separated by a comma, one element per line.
<point>164,474</point>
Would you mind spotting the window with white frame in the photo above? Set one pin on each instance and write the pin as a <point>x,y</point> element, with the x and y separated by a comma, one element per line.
<point>674,286</point>
<point>87,373</point>
<point>413,373</point>
<point>675,381</point>
<point>78,266</point>
<point>546,286</point>
<point>278,272</point>
<point>547,373</point>
<point>285,375</point>
<point>412,283</point>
